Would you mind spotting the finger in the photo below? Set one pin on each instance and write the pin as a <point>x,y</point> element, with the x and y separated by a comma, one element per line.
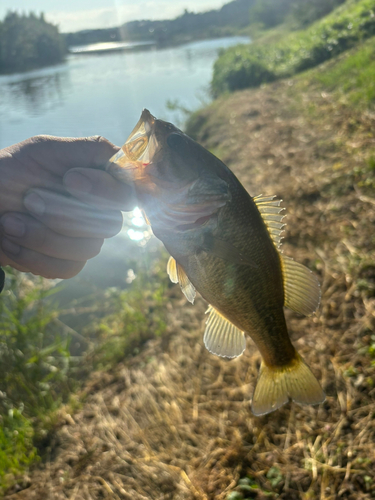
<point>59,154</point>
<point>7,261</point>
<point>25,231</point>
<point>37,263</point>
<point>71,217</point>
<point>100,189</point>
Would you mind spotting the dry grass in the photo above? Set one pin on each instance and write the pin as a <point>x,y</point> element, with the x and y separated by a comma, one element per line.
<point>174,422</point>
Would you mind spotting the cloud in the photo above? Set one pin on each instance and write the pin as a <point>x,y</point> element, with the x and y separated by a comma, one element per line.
<point>113,16</point>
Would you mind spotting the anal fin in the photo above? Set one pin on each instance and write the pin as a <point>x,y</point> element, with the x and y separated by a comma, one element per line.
<point>301,288</point>
<point>221,337</point>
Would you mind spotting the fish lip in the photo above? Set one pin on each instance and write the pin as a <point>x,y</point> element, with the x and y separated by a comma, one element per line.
<point>128,158</point>
<point>148,119</point>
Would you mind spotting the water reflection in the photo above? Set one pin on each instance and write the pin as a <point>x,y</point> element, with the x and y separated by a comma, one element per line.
<point>107,47</point>
<point>90,95</point>
<point>34,95</point>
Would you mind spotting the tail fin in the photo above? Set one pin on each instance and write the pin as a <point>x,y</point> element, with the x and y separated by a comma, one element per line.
<point>275,386</point>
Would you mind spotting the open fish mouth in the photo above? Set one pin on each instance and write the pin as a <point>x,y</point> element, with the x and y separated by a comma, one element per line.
<point>129,163</point>
<point>159,161</point>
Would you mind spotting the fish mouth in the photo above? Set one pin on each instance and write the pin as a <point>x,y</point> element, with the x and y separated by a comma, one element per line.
<point>129,163</point>
<point>170,192</point>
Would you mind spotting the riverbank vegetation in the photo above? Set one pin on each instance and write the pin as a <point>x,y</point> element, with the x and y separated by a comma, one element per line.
<point>44,362</point>
<point>293,52</point>
<point>27,42</point>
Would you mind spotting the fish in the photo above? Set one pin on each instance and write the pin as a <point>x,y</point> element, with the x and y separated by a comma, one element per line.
<point>224,244</point>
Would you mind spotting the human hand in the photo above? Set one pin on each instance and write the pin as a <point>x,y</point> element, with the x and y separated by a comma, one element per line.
<point>56,205</point>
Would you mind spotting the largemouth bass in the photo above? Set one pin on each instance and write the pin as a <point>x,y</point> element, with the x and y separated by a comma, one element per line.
<point>224,244</point>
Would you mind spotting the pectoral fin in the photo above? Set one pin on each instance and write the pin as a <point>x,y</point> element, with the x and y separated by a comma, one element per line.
<point>145,217</point>
<point>178,275</point>
<point>301,288</point>
<point>172,270</point>
<point>221,337</point>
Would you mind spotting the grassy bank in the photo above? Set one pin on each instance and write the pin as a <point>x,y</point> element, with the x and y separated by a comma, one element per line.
<point>349,79</point>
<point>265,61</point>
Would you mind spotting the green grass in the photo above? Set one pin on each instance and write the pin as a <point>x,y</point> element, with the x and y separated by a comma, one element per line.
<point>35,364</point>
<point>39,374</point>
<point>352,77</point>
<point>17,450</point>
<point>251,65</point>
<point>134,316</point>
<point>34,356</point>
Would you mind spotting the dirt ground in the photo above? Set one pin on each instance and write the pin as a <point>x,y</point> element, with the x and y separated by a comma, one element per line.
<point>174,422</point>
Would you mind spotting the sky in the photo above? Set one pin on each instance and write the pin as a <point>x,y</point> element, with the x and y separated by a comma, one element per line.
<point>75,15</point>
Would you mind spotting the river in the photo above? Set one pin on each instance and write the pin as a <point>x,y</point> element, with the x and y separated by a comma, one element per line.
<point>103,94</point>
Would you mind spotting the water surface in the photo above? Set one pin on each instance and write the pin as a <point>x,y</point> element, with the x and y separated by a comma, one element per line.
<point>104,94</point>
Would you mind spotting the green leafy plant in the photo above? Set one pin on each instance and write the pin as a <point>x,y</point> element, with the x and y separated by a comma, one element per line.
<point>16,445</point>
<point>35,358</point>
<point>35,362</point>
<point>133,316</point>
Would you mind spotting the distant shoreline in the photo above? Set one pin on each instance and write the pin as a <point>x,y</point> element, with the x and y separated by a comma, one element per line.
<point>132,46</point>
<point>109,47</point>
<point>106,48</point>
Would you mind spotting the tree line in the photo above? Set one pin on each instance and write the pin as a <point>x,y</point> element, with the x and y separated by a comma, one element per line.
<point>28,41</point>
<point>188,26</point>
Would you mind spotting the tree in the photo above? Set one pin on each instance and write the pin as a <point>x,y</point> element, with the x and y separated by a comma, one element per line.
<point>28,41</point>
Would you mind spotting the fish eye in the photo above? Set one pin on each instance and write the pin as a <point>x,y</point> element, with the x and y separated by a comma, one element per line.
<point>175,141</point>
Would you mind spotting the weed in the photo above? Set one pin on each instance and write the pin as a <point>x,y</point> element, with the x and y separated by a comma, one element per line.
<point>134,316</point>
<point>35,363</point>
<point>16,445</point>
<point>274,476</point>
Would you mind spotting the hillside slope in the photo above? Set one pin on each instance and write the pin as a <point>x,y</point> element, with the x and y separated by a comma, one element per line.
<point>291,52</point>
<point>174,422</point>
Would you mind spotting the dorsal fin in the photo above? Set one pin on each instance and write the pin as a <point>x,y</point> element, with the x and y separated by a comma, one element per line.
<point>178,275</point>
<point>269,209</point>
<point>301,288</point>
<point>221,337</point>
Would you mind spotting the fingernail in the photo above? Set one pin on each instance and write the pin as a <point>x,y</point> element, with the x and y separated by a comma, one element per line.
<point>34,203</point>
<point>10,247</point>
<point>78,182</point>
<point>13,226</point>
